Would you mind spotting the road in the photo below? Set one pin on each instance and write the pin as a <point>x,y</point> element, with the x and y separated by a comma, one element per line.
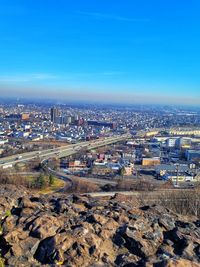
<point>68,177</point>
<point>150,194</point>
<point>9,162</point>
<point>112,194</point>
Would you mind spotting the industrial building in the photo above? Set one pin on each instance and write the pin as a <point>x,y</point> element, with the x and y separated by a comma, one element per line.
<point>150,161</point>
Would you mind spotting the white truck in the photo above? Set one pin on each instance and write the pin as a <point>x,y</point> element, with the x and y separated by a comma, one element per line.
<point>7,166</point>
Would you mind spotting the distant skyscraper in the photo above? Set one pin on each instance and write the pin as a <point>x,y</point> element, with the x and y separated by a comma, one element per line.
<point>54,114</point>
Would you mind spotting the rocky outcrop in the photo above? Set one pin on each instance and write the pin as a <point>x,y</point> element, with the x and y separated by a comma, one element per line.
<point>9,195</point>
<point>81,231</point>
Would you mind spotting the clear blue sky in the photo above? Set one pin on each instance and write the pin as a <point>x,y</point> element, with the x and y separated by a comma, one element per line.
<point>106,50</point>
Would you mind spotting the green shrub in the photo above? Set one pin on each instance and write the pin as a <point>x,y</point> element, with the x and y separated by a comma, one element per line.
<point>2,262</point>
<point>7,213</point>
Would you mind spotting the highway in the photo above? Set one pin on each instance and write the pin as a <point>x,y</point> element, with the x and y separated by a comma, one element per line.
<point>67,150</point>
<point>59,152</point>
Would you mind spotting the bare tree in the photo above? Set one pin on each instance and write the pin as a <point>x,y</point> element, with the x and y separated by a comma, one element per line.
<point>80,186</point>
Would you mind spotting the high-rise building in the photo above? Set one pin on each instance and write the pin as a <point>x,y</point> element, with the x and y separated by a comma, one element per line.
<point>67,119</point>
<point>54,114</point>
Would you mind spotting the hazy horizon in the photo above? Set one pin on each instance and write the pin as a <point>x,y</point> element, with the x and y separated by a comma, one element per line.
<point>88,96</point>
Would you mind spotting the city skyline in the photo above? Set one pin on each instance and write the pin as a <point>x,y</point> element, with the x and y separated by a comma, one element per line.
<point>100,52</point>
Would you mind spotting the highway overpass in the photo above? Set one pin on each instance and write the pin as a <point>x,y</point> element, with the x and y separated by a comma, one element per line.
<point>59,152</point>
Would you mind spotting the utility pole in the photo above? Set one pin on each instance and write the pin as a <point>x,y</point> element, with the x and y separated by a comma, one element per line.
<point>177,171</point>
<point>136,171</point>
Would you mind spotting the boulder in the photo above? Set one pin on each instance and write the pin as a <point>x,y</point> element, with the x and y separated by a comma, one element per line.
<point>75,230</point>
<point>44,226</point>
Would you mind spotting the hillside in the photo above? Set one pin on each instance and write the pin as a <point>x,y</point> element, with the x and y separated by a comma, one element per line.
<point>76,230</point>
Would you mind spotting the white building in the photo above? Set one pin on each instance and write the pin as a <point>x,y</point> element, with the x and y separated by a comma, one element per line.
<point>171,142</point>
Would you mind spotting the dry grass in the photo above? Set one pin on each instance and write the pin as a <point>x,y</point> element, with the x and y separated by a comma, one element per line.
<point>58,184</point>
<point>135,185</point>
<point>185,202</point>
<point>29,181</point>
<point>80,186</point>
